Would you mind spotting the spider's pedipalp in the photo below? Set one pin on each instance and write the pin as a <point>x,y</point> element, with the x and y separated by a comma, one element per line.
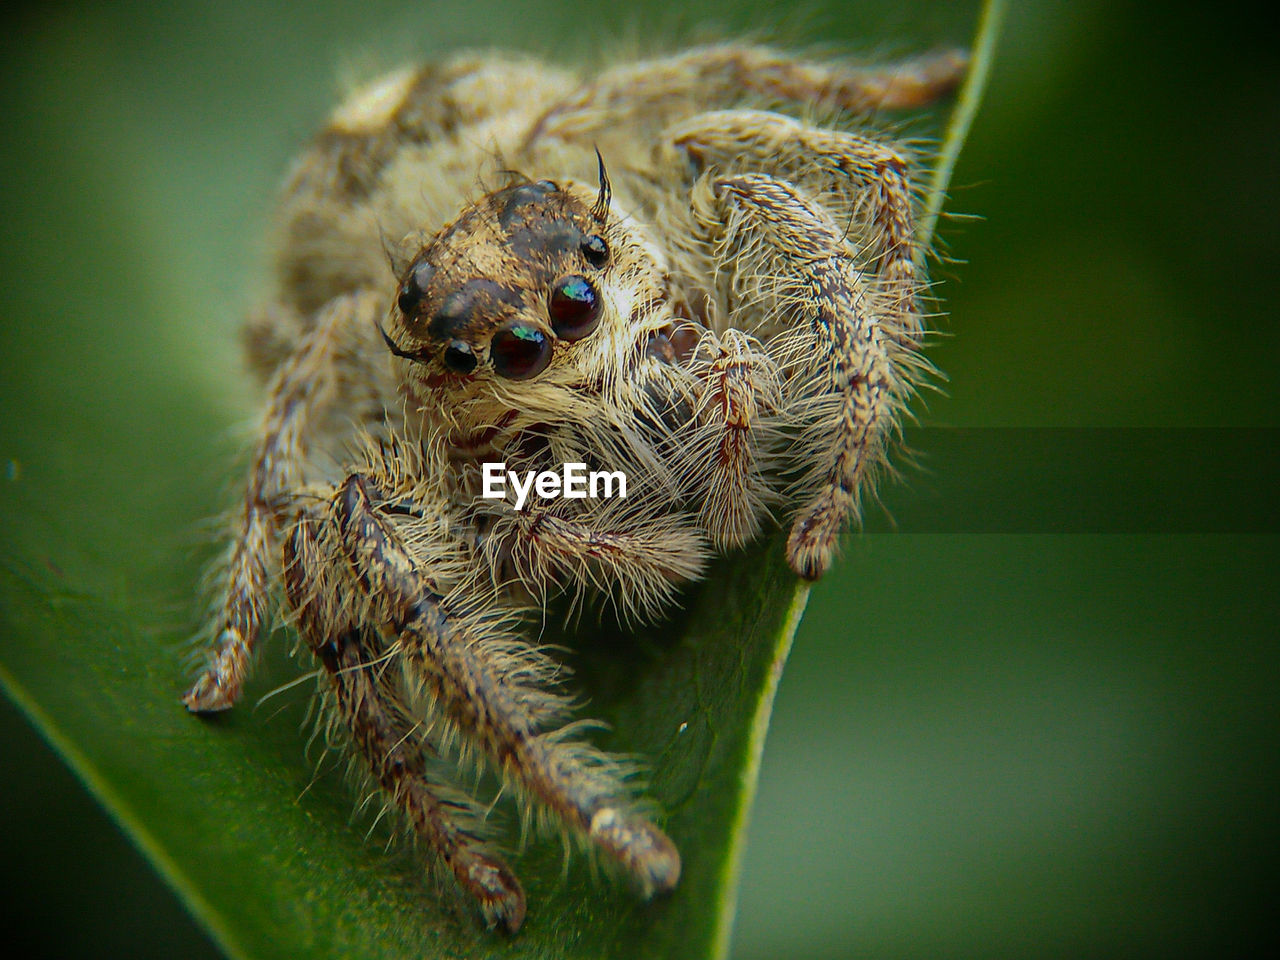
<point>739,416</point>
<point>638,563</point>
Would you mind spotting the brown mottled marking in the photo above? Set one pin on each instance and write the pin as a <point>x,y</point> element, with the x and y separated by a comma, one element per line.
<point>529,234</point>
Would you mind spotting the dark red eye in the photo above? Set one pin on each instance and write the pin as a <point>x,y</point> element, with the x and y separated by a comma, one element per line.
<point>520,352</point>
<point>574,306</point>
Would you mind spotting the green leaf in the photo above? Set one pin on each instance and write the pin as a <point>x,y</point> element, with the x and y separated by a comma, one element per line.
<point>111,444</point>
<point>262,847</point>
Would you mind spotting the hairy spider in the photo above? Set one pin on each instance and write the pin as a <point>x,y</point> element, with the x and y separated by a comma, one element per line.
<point>729,318</point>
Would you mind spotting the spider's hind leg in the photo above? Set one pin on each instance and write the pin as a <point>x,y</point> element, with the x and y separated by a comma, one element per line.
<point>721,75</point>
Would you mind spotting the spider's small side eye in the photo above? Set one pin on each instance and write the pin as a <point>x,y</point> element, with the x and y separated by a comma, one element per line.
<point>520,352</point>
<point>574,306</point>
<point>459,357</point>
<point>414,287</point>
<point>595,250</point>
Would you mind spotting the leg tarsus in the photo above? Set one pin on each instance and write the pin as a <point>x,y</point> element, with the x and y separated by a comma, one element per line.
<point>219,684</point>
<point>913,83</point>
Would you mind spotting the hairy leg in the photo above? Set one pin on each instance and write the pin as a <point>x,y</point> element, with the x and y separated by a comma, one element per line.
<point>639,562</point>
<point>301,390</point>
<point>491,687</point>
<point>734,436</point>
<point>371,710</point>
<point>844,389</point>
<point>822,160</point>
<point>725,73</point>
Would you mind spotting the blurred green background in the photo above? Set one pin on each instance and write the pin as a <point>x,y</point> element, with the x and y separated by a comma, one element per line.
<point>1014,744</point>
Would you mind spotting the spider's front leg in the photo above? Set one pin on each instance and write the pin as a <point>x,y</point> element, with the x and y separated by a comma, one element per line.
<point>491,686</point>
<point>838,356</point>
<point>852,353</point>
<point>364,693</point>
<point>303,388</point>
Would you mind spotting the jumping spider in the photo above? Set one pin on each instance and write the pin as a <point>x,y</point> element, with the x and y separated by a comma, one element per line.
<point>729,316</point>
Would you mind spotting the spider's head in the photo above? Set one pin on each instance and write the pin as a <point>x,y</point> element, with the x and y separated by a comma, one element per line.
<point>531,279</point>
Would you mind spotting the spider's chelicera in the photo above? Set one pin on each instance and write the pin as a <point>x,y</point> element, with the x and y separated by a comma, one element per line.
<point>729,319</point>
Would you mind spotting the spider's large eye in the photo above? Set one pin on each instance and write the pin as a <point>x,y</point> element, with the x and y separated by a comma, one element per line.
<point>520,352</point>
<point>574,306</point>
<point>414,287</point>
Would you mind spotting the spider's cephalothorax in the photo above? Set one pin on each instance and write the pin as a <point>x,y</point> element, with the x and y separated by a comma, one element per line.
<point>504,283</point>
<point>728,320</point>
